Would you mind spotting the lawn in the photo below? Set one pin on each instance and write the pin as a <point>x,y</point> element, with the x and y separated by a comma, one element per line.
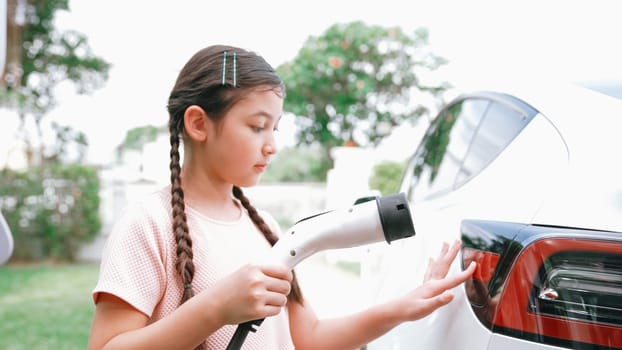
<point>46,306</point>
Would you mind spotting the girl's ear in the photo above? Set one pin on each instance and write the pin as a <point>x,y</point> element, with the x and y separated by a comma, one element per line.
<point>196,123</point>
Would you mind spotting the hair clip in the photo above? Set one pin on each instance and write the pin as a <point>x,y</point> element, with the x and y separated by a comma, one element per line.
<point>224,67</point>
<point>188,286</point>
<point>234,67</point>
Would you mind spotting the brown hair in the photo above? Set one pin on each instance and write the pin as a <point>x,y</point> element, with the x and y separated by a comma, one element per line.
<point>204,82</point>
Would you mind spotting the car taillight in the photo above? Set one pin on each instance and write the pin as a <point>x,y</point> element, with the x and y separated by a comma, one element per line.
<point>478,286</point>
<point>580,285</point>
<point>554,286</point>
<point>486,263</point>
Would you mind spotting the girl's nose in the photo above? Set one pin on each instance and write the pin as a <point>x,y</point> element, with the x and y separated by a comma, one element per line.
<point>269,148</point>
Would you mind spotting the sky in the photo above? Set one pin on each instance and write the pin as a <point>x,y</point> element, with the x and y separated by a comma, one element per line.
<point>147,43</point>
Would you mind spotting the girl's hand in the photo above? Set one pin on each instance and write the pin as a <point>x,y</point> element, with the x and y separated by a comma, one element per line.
<point>252,292</point>
<point>435,290</point>
<point>438,268</point>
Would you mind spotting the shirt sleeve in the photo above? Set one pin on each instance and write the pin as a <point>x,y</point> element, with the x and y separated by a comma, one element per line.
<point>132,266</point>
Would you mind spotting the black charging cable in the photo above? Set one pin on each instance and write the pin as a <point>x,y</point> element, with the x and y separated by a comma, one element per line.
<point>241,332</point>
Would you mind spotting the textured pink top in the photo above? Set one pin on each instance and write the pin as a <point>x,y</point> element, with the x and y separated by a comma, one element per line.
<point>138,264</point>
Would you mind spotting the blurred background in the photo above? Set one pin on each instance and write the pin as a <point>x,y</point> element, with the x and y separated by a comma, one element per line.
<point>85,84</point>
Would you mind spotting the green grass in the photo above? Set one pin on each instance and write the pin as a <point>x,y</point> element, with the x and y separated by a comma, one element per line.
<point>46,306</point>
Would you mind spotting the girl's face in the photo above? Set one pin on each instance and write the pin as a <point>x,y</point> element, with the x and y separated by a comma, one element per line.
<point>242,144</point>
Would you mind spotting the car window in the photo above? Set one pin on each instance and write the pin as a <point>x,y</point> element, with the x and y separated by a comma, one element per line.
<point>611,88</point>
<point>439,156</point>
<point>499,126</point>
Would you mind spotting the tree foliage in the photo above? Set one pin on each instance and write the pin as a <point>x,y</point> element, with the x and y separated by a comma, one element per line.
<point>66,140</point>
<point>354,83</point>
<point>434,144</point>
<point>136,138</point>
<point>39,57</point>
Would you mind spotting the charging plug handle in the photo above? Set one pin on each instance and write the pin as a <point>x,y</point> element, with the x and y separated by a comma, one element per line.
<point>395,217</point>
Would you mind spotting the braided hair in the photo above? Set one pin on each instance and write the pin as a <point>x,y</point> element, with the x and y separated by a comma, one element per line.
<point>208,81</point>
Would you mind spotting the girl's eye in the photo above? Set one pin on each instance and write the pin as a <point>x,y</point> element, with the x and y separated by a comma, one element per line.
<point>257,128</point>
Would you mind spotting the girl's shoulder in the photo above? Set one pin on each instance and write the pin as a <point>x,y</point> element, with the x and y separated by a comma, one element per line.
<point>156,201</point>
<point>151,211</point>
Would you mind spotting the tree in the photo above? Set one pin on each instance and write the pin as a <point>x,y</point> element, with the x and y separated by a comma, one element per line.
<point>354,83</point>
<point>39,57</point>
<point>136,139</point>
<point>53,206</point>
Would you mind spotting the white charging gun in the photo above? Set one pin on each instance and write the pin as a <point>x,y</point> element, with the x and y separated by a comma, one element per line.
<point>369,220</point>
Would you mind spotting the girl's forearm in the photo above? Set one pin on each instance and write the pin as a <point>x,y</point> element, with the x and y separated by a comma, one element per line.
<point>349,332</point>
<point>185,328</point>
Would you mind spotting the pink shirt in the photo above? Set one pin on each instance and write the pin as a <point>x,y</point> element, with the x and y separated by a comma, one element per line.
<point>138,264</point>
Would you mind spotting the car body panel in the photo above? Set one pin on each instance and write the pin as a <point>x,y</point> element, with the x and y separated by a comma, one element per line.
<point>500,341</point>
<point>591,124</point>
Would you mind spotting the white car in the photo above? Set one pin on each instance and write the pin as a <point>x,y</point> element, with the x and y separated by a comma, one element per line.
<point>530,180</point>
<point>6,241</point>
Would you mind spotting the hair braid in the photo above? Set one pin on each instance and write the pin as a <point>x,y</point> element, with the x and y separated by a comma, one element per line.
<point>296,293</point>
<point>184,264</point>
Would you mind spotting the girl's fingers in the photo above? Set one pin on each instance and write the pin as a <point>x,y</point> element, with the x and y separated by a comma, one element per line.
<point>436,293</point>
<point>278,279</point>
<point>444,249</point>
<point>271,310</point>
<point>436,287</point>
<point>280,272</point>
<point>278,286</point>
<point>438,268</point>
<point>459,278</point>
<point>428,271</point>
<point>449,254</point>
<point>275,299</point>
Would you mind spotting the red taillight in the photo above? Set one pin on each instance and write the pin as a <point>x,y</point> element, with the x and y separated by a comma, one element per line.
<point>549,285</point>
<point>478,286</point>
<point>575,299</point>
<point>486,263</point>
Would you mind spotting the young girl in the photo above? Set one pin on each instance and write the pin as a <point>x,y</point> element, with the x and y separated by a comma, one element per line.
<point>176,272</point>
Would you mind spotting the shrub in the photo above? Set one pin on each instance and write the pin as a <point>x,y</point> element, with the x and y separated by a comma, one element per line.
<point>51,210</point>
<point>386,177</point>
